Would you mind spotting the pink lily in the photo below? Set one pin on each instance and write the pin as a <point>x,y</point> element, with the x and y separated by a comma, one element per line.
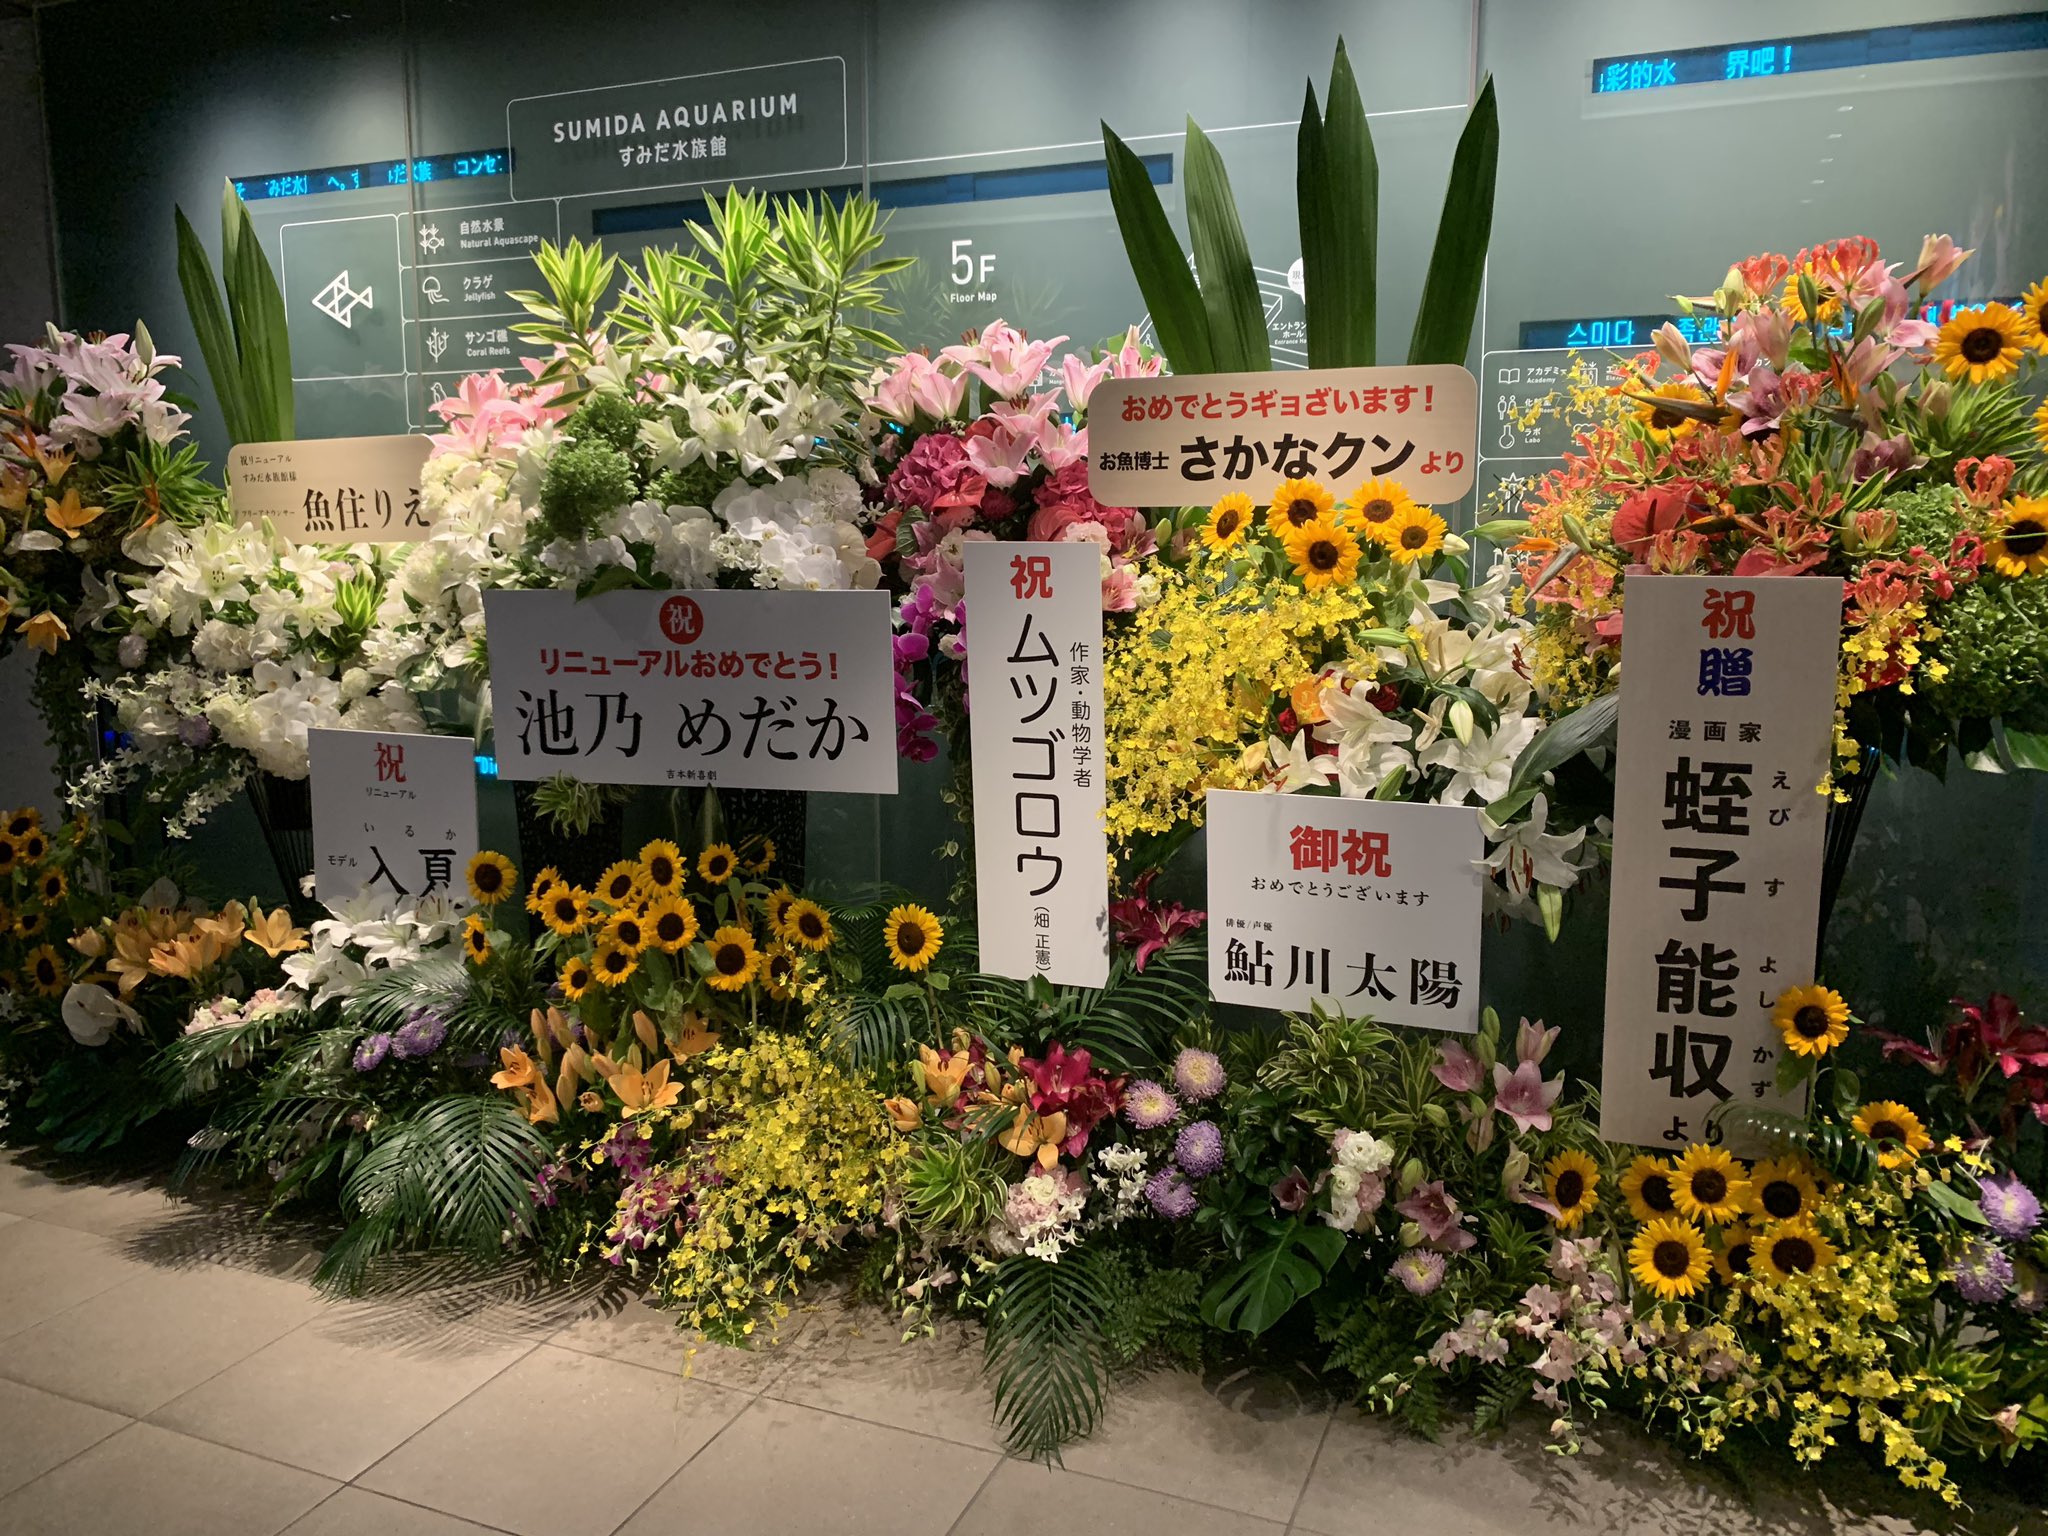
<point>1533,1041</point>
<point>1939,258</point>
<point>1004,359</point>
<point>1458,1070</point>
<point>1001,456</point>
<point>1523,1095</point>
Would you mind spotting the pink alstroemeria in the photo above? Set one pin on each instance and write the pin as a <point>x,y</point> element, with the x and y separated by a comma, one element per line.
<point>1080,377</point>
<point>1459,1069</point>
<point>1523,1096</point>
<point>1004,359</point>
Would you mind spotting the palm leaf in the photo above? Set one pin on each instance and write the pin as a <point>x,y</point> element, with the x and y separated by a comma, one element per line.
<point>1157,261</point>
<point>1457,266</point>
<point>1230,289</point>
<point>1045,1356</point>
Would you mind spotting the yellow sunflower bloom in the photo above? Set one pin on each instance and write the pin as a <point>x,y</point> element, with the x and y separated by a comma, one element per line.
<point>614,964</point>
<point>778,971</point>
<point>51,886</point>
<point>491,878</point>
<point>30,925</point>
<point>1781,1189</point>
<point>1812,1020</point>
<point>1296,504</point>
<point>1899,1135</point>
<point>1414,535</point>
<point>1661,422</point>
<point>1790,1248</point>
<point>806,923</point>
<point>1982,345</point>
<point>46,970</point>
<point>1570,1179</point>
<point>620,885</point>
<point>577,978</point>
<point>476,940</point>
<point>1707,1186</point>
<point>780,900</point>
<point>627,931</point>
<point>716,863</point>
<point>1376,505</point>
<point>913,936</point>
<point>672,925</point>
<point>10,855</point>
<point>1669,1258</point>
<point>763,861</point>
<point>1736,1253</point>
<point>543,884</point>
<point>1647,1188</point>
<point>1324,554</point>
<point>2034,311</point>
<point>734,959</point>
<point>661,867</point>
<point>32,846</point>
<point>566,910</point>
<point>2019,542</point>
<point>1228,523</point>
<point>2041,425</point>
<point>22,822</point>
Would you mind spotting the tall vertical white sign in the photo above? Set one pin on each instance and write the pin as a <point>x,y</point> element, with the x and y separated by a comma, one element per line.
<point>1727,723</point>
<point>1041,855</point>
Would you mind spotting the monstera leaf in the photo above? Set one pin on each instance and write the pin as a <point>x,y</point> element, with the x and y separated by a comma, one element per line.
<point>1263,1287</point>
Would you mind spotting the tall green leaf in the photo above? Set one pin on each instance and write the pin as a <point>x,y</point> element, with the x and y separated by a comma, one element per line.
<point>1230,289</point>
<point>1157,261</point>
<point>210,321</point>
<point>257,305</point>
<point>1450,294</point>
<point>1337,177</point>
<point>1044,1353</point>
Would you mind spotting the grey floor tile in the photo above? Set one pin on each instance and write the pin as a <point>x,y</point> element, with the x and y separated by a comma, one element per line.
<point>628,1328</point>
<point>853,1360</point>
<point>1018,1497</point>
<point>358,1512</point>
<point>39,1430</point>
<point>44,1270</point>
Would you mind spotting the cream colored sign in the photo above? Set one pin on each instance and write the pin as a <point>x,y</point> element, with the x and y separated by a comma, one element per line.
<point>1188,439</point>
<point>333,490</point>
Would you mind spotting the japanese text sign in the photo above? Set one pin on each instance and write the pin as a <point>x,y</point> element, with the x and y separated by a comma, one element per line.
<point>1187,439</point>
<point>1361,907</point>
<point>1041,856</point>
<point>755,690</point>
<point>1727,722</point>
<point>333,490</point>
<point>393,814</point>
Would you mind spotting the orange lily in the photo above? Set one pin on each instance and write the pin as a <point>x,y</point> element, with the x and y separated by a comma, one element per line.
<point>903,1114</point>
<point>697,1038</point>
<point>591,1101</point>
<point>44,631</point>
<point>55,464</point>
<point>68,516</point>
<point>643,1027</point>
<point>520,1072</point>
<point>90,943</point>
<point>943,1075</point>
<point>1037,1136</point>
<point>651,1089</point>
<point>13,489</point>
<point>541,1105</point>
<point>273,933</point>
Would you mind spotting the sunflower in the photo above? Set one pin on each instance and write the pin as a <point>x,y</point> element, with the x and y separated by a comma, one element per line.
<point>613,963</point>
<point>672,924</point>
<point>913,936</point>
<point>30,925</point>
<point>1670,1258</point>
<point>625,930</point>
<point>543,886</point>
<point>51,886</point>
<point>715,864</point>
<point>1791,1248</point>
<point>661,867</point>
<point>764,861</point>
<point>1229,520</point>
<point>1647,1188</point>
<point>2041,424</point>
<point>1415,535</point>
<point>780,900</point>
<point>46,970</point>
<point>1570,1179</point>
<point>1376,505</point>
<point>22,822</point>
<point>476,939</point>
<point>1325,554</point>
<point>2034,311</point>
<point>2020,544</point>
<point>577,978</point>
<point>1899,1135</point>
<point>32,846</point>
<point>733,959</point>
<point>807,924</point>
<point>1738,1248</point>
<point>1813,1020</point>
<point>1660,421</point>
<point>1982,345</point>
<point>1781,1189</point>
<point>491,878</point>
<point>619,884</point>
<point>567,909</point>
<point>778,971</point>
<point>1707,1186</point>
<point>1297,503</point>
<point>10,854</point>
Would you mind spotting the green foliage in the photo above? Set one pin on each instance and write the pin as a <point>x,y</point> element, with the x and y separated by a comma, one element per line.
<point>1172,298</point>
<point>1230,289</point>
<point>955,1187</point>
<point>1993,637</point>
<point>583,484</point>
<point>1045,1354</point>
<point>1127,1024</point>
<point>1326,1071</point>
<point>605,417</point>
<point>1457,266</point>
<point>1289,1264</point>
<point>1337,189</point>
<point>244,339</point>
<point>572,807</point>
<point>566,315</point>
<point>88,1101</point>
<point>1152,1311</point>
<point>455,1177</point>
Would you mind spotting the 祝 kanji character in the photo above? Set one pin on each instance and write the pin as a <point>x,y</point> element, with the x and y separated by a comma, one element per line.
<point>555,722</point>
<point>1728,615</point>
<point>1031,576</point>
<point>390,762</point>
<point>1248,967</point>
<point>1433,983</point>
<point>1724,672</point>
<point>1701,882</point>
<point>1697,980</point>
<point>1709,801</point>
<point>1365,853</point>
<point>1691,1061</point>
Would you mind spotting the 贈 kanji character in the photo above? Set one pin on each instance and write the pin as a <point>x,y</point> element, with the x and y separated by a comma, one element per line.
<point>1724,671</point>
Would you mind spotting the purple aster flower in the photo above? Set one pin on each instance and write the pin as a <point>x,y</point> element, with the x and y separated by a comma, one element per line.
<point>2012,1209</point>
<point>1149,1106</point>
<point>1199,1149</point>
<point>371,1051</point>
<point>1170,1194</point>
<point>1420,1270</point>
<point>420,1035</point>
<point>195,731</point>
<point>1198,1074</point>
<point>1981,1270</point>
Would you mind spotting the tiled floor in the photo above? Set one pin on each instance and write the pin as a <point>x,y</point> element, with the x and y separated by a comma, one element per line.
<point>165,1369</point>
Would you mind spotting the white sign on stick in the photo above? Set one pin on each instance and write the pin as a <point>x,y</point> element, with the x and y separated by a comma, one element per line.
<point>394,814</point>
<point>1041,855</point>
<point>1361,907</point>
<point>756,690</point>
<point>1727,722</point>
<point>333,490</point>
<point>1187,439</point>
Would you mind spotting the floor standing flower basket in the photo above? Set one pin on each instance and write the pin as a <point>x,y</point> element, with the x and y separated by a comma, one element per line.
<point>578,855</point>
<point>284,810</point>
